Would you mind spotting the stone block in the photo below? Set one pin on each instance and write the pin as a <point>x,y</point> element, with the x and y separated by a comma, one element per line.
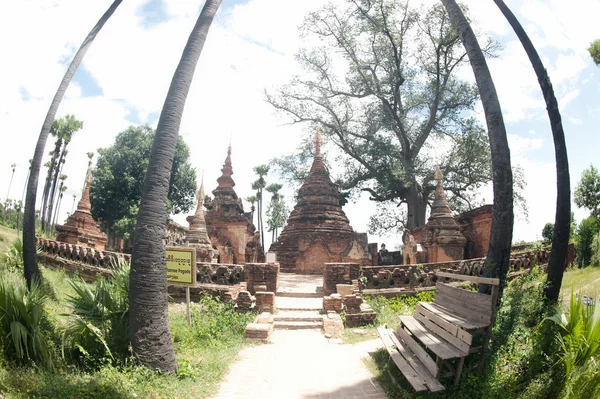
<point>344,289</point>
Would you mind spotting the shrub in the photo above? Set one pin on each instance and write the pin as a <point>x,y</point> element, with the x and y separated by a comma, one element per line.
<point>25,330</point>
<point>586,231</point>
<point>548,233</point>
<point>595,260</point>
<point>579,338</point>
<point>98,326</point>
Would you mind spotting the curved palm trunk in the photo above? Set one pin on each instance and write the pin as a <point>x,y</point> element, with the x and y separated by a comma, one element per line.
<point>29,257</point>
<point>148,311</point>
<point>498,255</point>
<point>562,221</point>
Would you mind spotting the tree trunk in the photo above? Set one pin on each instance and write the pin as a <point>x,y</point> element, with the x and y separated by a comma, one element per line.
<point>29,256</point>
<point>562,220</point>
<point>416,208</point>
<point>148,315</point>
<point>53,193</point>
<point>498,255</point>
<point>48,184</point>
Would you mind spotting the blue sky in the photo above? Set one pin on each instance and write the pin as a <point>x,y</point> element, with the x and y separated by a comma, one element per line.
<point>250,47</point>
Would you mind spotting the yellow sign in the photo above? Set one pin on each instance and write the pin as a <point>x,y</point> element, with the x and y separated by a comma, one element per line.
<point>181,266</point>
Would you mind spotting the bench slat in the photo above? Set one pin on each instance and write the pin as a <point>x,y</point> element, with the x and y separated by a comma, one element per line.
<point>418,351</point>
<point>446,325</point>
<point>441,348</point>
<point>462,308</point>
<point>463,346</point>
<point>416,381</point>
<point>433,384</point>
<point>474,279</point>
<point>450,316</point>
<point>481,300</point>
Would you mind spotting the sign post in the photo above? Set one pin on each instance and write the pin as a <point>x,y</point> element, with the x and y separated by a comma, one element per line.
<point>181,270</point>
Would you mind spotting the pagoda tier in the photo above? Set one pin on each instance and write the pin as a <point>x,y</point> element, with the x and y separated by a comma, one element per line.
<point>317,230</point>
<point>81,228</point>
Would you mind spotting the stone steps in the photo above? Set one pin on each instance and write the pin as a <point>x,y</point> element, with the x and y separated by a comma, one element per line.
<point>309,316</point>
<point>298,304</point>
<point>292,294</point>
<point>298,325</point>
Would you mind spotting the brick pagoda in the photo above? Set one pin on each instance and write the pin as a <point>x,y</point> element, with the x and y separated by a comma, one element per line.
<point>441,236</point>
<point>231,229</point>
<point>317,230</point>
<point>81,228</point>
<point>196,236</point>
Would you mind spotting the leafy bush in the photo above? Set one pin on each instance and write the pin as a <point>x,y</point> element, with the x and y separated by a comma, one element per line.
<point>579,338</point>
<point>595,260</point>
<point>98,326</point>
<point>587,229</point>
<point>25,331</point>
<point>548,233</point>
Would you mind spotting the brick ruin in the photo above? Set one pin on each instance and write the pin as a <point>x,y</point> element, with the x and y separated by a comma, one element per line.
<point>230,229</point>
<point>445,237</point>
<point>197,236</point>
<point>317,230</point>
<point>81,229</point>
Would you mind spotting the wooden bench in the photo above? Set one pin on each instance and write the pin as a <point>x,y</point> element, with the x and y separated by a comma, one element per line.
<point>434,342</point>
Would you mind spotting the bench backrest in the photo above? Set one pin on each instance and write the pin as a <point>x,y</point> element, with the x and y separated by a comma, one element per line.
<point>468,304</point>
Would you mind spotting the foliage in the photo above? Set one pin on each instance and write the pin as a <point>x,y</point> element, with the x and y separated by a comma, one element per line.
<point>584,236</point>
<point>119,176</point>
<point>520,360</point>
<point>595,249</point>
<point>277,211</point>
<point>548,233</point>
<point>98,325</point>
<point>26,335</point>
<point>259,185</point>
<point>587,192</point>
<point>594,51</point>
<point>382,88</point>
<point>579,338</point>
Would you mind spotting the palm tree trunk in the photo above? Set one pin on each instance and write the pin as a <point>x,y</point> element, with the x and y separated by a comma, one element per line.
<point>148,314</point>
<point>48,184</point>
<point>498,255</point>
<point>29,256</point>
<point>562,220</point>
<point>53,193</point>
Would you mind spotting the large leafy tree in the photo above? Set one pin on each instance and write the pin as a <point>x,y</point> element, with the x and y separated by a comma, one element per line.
<point>148,309</point>
<point>382,86</point>
<point>587,192</point>
<point>498,255</point>
<point>30,266</point>
<point>119,175</point>
<point>594,51</point>
<point>562,223</point>
<point>277,211</point>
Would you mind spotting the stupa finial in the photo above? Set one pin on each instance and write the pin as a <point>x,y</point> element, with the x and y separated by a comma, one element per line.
<point>318,143</point>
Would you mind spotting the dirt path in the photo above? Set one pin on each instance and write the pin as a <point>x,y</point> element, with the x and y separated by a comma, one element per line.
<point>302,364</point>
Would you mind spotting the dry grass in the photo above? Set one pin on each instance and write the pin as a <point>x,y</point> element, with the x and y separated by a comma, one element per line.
<point>7,236</point>
<point>584,281</point>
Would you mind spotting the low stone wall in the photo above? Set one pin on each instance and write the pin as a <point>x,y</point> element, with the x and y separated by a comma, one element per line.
<point>219,273</point>
<point>261,277</point>
<point>76,253</point>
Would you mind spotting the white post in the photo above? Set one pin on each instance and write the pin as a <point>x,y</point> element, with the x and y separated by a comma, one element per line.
<point>187,299</point>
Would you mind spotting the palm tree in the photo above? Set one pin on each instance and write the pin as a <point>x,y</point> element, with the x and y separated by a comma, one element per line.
<point>66,127</point>
<point>252,200</point>
<point>73,206</point>
<point>51,165</point>
<point>62,190</point>
<point>259,185</point>
<point>148,311</point>
<point>562,221</point>
<point>52,220</point>
<point>30,266</point>
<point>12,166</point>
<point>498,255</point>
<point>274,190</point>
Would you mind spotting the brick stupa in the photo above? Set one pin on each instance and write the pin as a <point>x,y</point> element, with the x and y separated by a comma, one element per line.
<point>317,230</point>
<point>197,236</point>
<point>81,228</point>
<point>441,235</point>
<point>230,228</point>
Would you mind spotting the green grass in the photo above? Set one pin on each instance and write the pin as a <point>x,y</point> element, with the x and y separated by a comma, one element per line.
<point>7,236</point>
<point>585,281</point>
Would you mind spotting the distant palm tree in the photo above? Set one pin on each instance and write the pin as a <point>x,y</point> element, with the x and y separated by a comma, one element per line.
<point>30,266</point>
<point>252,200</point>
<point>562,221</point>
<point>12,166</point>
<point>73,206</point>
<point>259,185</point>
<point>62,190</point>
<point>148,308</point>
<point>498,255</point>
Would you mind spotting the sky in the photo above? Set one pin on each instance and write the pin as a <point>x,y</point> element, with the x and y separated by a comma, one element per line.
<point>250,48</point>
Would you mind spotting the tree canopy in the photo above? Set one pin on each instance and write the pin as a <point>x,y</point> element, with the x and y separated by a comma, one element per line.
<point>587,192</point>
<point>594,50</point>
<point>119,175</point>
<point>382,87</point>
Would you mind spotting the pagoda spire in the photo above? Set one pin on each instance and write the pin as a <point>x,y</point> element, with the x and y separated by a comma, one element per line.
<point>318,142</point>
<point>225,181</point>
<point>200,196</point>
<point>84,203</point>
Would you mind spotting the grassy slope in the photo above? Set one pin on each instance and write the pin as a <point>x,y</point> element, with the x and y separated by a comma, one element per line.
<point>6,237</point>
<point>585,281</point>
